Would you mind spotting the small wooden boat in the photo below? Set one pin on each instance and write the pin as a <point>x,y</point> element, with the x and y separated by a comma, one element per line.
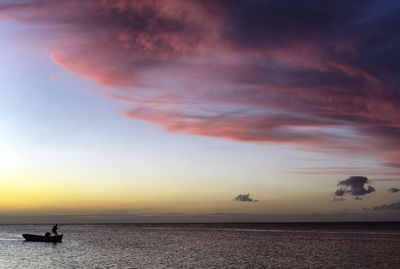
<point>43,238</point>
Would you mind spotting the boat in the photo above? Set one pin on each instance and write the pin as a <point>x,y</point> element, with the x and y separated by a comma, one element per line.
<point>43,238</point>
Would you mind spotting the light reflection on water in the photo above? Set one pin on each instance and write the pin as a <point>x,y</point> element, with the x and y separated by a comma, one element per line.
<point>204,246</point>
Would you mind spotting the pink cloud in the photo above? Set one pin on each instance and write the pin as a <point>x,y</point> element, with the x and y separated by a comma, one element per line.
<point>232,71</point>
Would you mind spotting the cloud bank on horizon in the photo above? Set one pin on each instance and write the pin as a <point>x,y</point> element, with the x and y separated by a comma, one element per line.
<point>392,206</point>
<point>320,75</point>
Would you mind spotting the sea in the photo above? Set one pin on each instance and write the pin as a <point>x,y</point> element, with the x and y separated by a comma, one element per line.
<point>217,245</point>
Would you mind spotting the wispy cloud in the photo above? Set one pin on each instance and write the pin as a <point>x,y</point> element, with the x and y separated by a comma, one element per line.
<point>385,179</point>
<point>320,75</point>
<point>342,170</point>
<point>392,206</point>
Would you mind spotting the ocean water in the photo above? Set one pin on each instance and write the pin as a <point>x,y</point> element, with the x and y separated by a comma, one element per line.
<point>276,245</point>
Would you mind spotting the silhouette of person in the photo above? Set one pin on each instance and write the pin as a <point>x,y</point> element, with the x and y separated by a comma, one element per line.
<point>54,230</point>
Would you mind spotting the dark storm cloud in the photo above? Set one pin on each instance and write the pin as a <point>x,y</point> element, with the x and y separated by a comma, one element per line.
<point>392,206</point>
<point>274,71</point>
<point>244,198</point>
<point>393,190</point>
<point>354,185</point>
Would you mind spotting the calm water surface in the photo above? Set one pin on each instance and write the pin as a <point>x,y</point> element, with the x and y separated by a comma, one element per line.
<point>368,245</point>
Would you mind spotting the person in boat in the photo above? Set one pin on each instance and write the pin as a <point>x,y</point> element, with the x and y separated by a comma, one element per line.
<point>47,234</point>
<point>54,230</point>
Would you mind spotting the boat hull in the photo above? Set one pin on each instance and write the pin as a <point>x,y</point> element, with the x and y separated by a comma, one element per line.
<point>42,238</point>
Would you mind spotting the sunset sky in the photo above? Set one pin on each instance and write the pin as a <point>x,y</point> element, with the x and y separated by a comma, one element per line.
<point>168,110</point>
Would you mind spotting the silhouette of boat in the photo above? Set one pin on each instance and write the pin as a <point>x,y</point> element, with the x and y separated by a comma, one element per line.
<point>42,238</point>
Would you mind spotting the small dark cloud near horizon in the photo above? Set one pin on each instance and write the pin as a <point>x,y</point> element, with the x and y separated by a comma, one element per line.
<point>244,198</point>
<point>355,186</point>
<point>392,206</point>
<point>393,190</point>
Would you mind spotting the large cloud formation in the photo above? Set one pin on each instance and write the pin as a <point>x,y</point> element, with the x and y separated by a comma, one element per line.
<point>354,185</point>
<point>320,75</point>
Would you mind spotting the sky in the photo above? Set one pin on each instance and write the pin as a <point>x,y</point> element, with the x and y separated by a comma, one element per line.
<point>199,111</point>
